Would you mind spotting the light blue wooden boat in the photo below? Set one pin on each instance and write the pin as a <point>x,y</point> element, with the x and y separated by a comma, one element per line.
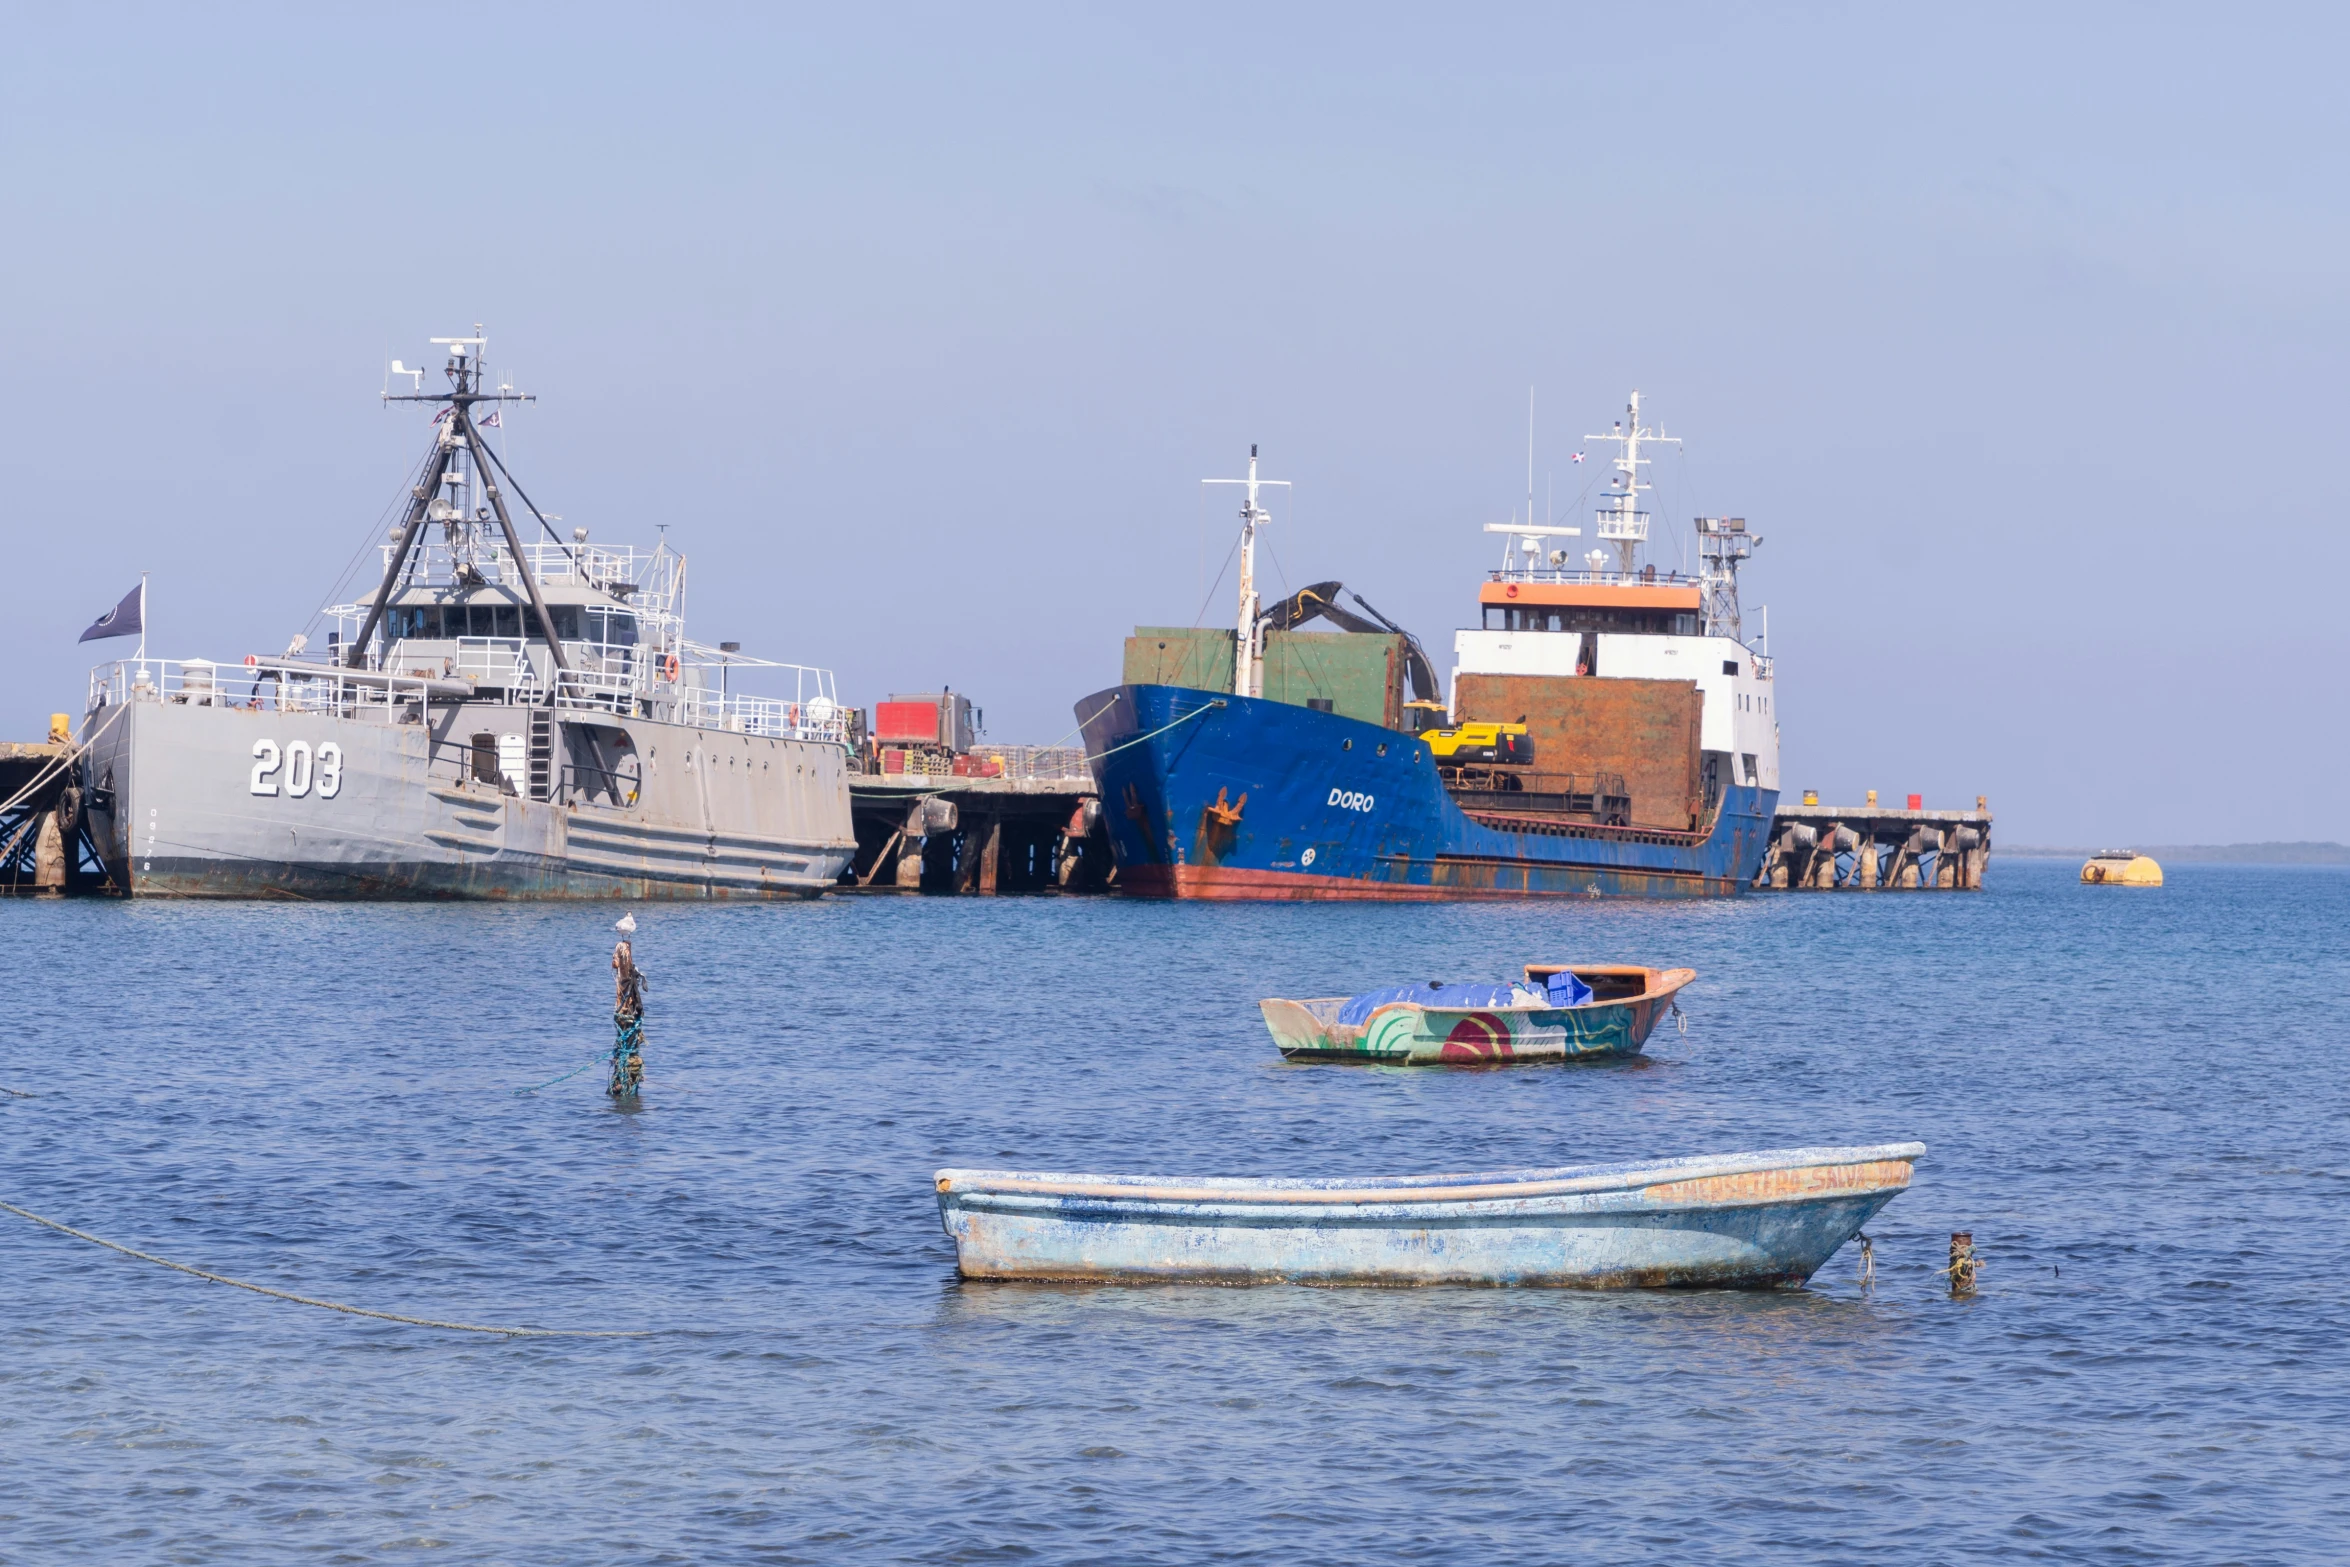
<point>1735,1221</point>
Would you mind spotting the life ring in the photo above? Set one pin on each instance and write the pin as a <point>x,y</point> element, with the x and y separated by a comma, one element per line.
<point>669,669</point>
<point>1511,591</point>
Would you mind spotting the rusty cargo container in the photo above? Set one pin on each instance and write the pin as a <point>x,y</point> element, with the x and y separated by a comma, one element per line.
<point>1647,731</point>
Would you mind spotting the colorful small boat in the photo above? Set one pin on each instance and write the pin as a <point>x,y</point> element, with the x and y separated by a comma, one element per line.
<point>1561,1011</point>
<point>1731,1221</point>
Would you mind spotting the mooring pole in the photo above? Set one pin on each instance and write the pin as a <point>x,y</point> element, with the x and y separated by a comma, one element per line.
<point>1964,1264</point>
<point>628,1015</point>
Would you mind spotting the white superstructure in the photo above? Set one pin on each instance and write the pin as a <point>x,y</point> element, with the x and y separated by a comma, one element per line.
<point>1545,613</point>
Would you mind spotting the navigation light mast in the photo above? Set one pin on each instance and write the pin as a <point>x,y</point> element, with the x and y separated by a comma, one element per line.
<point>1621,521</point>
<point>1247,675</point>
<point>1723,544</point>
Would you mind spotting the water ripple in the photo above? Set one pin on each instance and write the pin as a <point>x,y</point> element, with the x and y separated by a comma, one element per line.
<point>2133,1100</point>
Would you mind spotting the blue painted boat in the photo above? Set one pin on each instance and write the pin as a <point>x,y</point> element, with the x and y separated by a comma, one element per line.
<point>1759,1220</point>
<point>1621,1009</point>
<point>1212,795</point>
<point>1605,729</point>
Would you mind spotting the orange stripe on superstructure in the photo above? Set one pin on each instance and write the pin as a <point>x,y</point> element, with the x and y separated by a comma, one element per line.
<point>1589,595</point>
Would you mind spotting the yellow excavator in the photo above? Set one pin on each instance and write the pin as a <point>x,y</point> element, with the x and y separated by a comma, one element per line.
<point>1500,745</point>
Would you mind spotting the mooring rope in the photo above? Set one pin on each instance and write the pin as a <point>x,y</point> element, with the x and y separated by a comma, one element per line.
<point>599,1056</point>
<point>1154,734</point>
<point>1080,729</point>
<point>329,1305</point>
<point>73,752</point>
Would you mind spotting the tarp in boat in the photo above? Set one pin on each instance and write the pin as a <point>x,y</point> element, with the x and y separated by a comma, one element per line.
<point>1565,991</point>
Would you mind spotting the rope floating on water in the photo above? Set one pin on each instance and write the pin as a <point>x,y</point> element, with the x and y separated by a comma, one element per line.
<point>329,1305</point>
<point>597,1059</point>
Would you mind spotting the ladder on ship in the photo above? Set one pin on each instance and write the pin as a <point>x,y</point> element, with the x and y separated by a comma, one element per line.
<point>542,754</point>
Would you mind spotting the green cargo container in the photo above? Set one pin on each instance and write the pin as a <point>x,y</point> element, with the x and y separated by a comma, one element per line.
<point>1180,656</point>
<point>1356,674</point>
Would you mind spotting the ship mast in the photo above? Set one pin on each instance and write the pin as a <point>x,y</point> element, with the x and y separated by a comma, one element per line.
<point>458,441</point>
<point>1621,520</point>
<point>1723,544</point>
<point>1247,677</point>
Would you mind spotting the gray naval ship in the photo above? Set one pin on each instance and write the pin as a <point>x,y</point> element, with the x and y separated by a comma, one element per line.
<point>500,719</point>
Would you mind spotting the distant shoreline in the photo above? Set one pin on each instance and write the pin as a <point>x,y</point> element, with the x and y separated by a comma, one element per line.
<point>2200,853</point>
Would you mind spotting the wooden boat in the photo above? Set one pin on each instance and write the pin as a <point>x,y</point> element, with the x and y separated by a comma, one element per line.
<point>1625,1005</point>
<point>1735,1221</point>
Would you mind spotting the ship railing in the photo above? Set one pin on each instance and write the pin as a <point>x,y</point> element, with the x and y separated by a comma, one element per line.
<point>280,685</point>
<point>818,718</point>
<point>511,663</point>
<point>650,582</point>
<point>1507,790</point>
<point>490,661</point>
<point>811,712</point>
<point>1645,577</point>
<point>595,564</point>
<point>604,689</point>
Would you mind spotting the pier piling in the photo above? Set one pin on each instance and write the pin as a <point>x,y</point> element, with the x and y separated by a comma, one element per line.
<point>1005,819</point>
<point>45,800</point>
<point>1871,848</point>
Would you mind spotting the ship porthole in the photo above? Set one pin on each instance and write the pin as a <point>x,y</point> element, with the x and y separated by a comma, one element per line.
<point>1382,748</point>
<point>1346,745</point>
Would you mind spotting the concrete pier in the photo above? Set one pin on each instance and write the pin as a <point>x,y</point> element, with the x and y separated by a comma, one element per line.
<point>1871,848</point>
<point>44,849</point>
<point>1011,819</point>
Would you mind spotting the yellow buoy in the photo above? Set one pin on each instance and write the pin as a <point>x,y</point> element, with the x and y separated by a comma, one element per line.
<point>2121,868</point>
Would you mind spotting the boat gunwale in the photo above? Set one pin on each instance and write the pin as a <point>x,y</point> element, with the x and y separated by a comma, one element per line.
<point>1415,1191</point>
<point>1663,983</point>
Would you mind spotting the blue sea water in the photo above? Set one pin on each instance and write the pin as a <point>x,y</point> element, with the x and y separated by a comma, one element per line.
<point>2135,1100</point>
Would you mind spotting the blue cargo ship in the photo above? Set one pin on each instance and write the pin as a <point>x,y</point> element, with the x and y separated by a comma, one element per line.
<point>1606,730</point>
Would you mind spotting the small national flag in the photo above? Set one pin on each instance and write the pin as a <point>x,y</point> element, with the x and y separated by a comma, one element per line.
<point>443,416</point>
<point>491,423</point>
<point>1578,457</point>
<point>124,620</point>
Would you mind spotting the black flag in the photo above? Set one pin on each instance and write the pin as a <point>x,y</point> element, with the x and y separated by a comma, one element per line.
<point>121,621</point>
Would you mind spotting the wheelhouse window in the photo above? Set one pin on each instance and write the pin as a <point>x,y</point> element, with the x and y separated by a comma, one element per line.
<point>612,627</point>
<point>1578,618</point>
